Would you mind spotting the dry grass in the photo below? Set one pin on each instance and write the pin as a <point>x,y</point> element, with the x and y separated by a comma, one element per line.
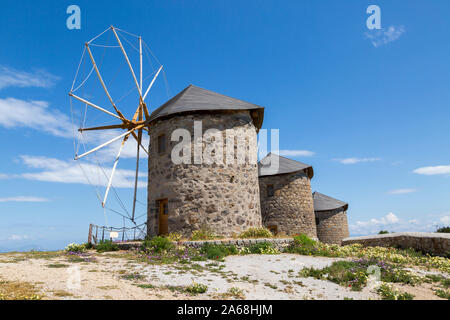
<point>16,290</point>
<point>62,293</point>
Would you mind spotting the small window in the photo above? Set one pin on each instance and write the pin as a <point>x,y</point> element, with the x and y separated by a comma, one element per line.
<point>317,221</point>
<point>270,191</point>
<point>162,143</point>
<point>273,229</point>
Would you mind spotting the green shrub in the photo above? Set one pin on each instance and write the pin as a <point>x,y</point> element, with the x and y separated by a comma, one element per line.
<point>345,273</point>
<point>256,233</point>
<point>387,292</point>
<point>263,248</point>
<point>443,293</point>
<point>174,236</point>
<point>304,240</point>
<point>443,230</point>
<point>197,288</point>
<point>218,251</point>
<point>88,245</point>
<point>106,245</point>
<point>75,247</point>
<point>383,232</point>
<point>306,246</point>
<point>158,244</point>
<point>203,234</point>
<point>399,275</point>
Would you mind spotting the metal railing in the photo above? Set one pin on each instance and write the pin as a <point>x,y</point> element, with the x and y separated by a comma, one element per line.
<point>102,233</point>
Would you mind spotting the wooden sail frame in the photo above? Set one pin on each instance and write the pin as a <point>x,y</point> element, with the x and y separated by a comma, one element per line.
<point>134,127</point>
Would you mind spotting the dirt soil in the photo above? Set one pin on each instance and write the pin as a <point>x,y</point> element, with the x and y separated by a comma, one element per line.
<point>117,275</point>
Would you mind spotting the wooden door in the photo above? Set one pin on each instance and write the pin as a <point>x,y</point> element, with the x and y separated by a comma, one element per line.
<point>163,217</point>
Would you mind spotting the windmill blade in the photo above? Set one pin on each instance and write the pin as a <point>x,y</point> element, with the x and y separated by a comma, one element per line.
<point>106,143</point>
<point>151,83</point>
<point>94,106</point>
<point>113,170</point>
<point>140,64</point>
<point>128,62</point>
<point>103,83</point>
<point>137,174</point>
<point>114,126</point>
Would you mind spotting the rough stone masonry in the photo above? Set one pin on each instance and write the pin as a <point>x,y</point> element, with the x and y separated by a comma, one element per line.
<point>221,197</point>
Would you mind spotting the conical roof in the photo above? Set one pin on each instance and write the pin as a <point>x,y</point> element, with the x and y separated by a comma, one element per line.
<point>285,165</point>
<point>193,98</point>
<point>326,203</point>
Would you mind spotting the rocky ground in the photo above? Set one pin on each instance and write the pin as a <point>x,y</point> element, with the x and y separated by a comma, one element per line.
<point>119,275</point>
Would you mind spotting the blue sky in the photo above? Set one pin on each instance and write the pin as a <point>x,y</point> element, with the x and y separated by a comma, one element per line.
<point>370,108</point>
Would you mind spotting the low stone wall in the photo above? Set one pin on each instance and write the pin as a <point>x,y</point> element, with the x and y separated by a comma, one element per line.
<point>434,243</point>
<point>278,243</point>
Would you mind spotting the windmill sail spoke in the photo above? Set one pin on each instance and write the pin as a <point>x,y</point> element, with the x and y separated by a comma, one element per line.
<point>94,106</point>
<point>151,83</point>
<point>114,126</point>
<point>103,83</point>
<point>128,62</point>
<point>140,143</point>
<point>113,170</point>
<point>146,113</point>
<point>140,64</point>
<point>105,144</point>
<point>137,173</point>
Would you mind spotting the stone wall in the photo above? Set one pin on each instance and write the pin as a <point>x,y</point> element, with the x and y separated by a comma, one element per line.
<point>291,208</point>
<point>279,243</point>
<point>435,243</point>
<point>332,226</point>
<point>222,197</point>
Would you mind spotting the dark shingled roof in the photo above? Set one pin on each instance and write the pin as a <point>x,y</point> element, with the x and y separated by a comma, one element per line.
<point>193,99</point>
<point>285,165</point>
<point>326,203</point>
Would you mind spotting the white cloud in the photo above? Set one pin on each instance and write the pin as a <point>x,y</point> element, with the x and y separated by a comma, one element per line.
<point>55,170</point>
<point>433,170</point>
<point>390,218</point>
<point>37,115</point>
<point>374,225</point>
<point>445,220</point>
<point>296,153</point>
<point>392,223</point>
<point>34,114</point>
<point>14,78</point>
<point>23,199</point>
<point>402,191</point>
<point>3,176</point>
<point>385,36</point>
<point>16,237</point>
<point>356,160</point>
